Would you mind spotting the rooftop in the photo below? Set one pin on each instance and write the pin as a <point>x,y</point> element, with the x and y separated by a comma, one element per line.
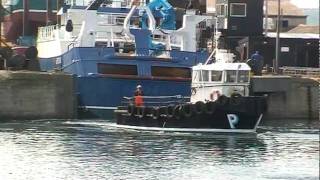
<point>305,29</point>
<point>294,35</point>
<point>287,7</point>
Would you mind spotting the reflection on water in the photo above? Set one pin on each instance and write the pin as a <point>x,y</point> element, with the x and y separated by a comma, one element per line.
<point>92,149</point>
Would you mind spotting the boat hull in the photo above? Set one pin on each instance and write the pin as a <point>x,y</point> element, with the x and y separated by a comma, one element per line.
<point>242,116</point>
<point>98,97</point>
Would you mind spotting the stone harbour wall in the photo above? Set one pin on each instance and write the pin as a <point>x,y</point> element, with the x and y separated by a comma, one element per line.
<point>36,95</point>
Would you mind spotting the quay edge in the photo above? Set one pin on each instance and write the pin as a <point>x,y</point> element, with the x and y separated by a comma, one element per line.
<point>288,97</point>
<point>36,95</point>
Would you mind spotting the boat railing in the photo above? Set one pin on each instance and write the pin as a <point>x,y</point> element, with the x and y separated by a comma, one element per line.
<point>301,71</point>
<point>155,101</point>
<point>47,32</point>
<point>111,20</point>
<point>157,53</point>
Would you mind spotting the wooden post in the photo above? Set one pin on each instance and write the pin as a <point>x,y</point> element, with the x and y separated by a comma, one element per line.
<point>1,18</point>
<point>276,67</point>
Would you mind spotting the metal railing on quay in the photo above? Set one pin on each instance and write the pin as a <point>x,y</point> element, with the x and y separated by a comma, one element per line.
<point>301,71</point>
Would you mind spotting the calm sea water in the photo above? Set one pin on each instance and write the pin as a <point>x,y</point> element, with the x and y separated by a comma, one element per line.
<point>83,149</point>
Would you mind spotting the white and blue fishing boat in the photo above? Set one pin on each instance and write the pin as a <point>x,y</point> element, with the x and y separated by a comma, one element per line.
<point>111,48</point>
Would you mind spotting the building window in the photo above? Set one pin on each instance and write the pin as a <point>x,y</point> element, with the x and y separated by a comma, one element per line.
<point>117,69</point>
<point>221,10</point>
<point>159,71</point>
<point>238,9</point>
<point>285,23</point>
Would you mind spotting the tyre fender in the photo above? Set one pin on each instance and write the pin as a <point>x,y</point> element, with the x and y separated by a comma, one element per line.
<point>210,107</point>
<point>187,110</point>
<point>223,100</point>
<point>177,112</point>
<point>156,113</point>
<point>170,111</point>
<point>200,107</point>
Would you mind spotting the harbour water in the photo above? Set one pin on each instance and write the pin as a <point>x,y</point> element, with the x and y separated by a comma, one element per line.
<point>83,149</point>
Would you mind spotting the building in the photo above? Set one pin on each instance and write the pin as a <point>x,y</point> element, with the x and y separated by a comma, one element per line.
<point>291,15</point>
<point>299,47</point>
<point>240,22</point>
<point>23,17</point>
<point>238,19</point>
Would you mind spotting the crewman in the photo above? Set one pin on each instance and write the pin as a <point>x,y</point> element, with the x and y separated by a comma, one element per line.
<point>256,63</point>
<point>138,96</point>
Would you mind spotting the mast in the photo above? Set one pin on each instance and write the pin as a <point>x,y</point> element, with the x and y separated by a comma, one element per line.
<point>25,28</point>
<point>48,13</point>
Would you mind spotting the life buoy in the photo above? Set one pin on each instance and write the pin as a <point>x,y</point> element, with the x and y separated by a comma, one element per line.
<point>210,107</point>
<point>200,107</point>
<point>215,95</point>
<point>187,110</point>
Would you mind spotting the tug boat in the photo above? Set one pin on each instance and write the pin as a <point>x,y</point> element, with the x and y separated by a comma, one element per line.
<point>220,102</point>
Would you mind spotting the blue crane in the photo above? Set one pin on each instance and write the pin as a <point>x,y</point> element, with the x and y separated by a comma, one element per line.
<point>163,11</point>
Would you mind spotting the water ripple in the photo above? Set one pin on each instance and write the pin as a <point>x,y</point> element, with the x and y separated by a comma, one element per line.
<point>52,149</point>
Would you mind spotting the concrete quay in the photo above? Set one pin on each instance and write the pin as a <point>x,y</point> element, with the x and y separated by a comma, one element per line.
<point>288,97</point>
<point>39,95</point>
<point>36,95</point>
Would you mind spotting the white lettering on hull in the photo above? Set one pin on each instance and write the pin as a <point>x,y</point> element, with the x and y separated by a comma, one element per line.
<point>233,120</point>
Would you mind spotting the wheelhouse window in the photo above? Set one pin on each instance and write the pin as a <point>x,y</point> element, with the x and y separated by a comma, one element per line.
<point>205,75</point>
<point>195,76</point>
<point>117,69</point>
<point>221,10</point>
<point>238,9</point>
<point>159,71</point>
<point>243,76</point>
<point>231,76</point>
<point>216,75</point>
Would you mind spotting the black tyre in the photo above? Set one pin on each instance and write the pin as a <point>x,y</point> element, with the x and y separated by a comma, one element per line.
<point>210,107</point>
<point>132,110</point>
<point>156,113</point>
<point>223,100</point>
<point>177,112</point>
<point>200,107</point>
<point>187,110</point>
<point>170,111</point>
<point>236,101</point>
